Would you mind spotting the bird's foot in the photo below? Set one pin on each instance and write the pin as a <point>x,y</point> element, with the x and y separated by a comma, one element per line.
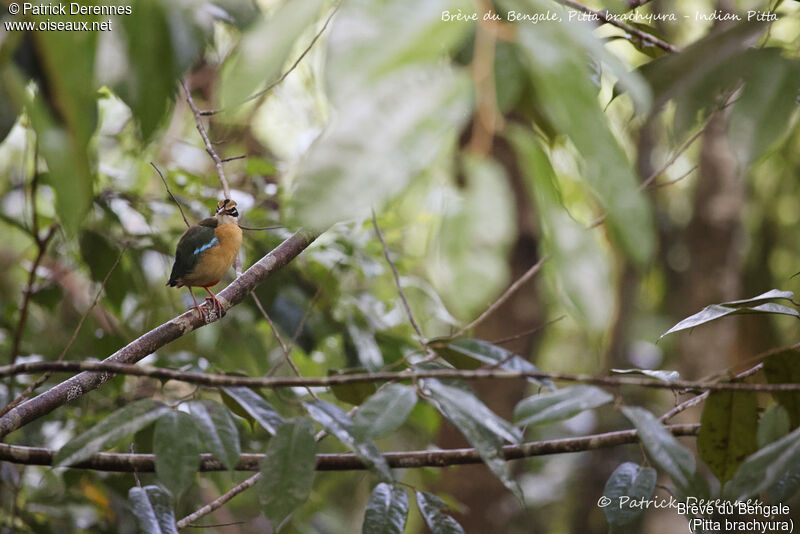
<point>215,306</point>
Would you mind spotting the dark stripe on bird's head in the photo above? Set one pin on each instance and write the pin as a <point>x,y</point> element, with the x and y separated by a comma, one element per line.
<point>228,207</point>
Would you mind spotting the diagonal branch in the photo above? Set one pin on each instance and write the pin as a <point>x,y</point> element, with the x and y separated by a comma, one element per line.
<point>84,382</point>
<point>127,463</point>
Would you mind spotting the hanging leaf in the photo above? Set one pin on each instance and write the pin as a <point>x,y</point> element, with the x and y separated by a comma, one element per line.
<point>480,426</point>
<point>255,405</point>
<point>177,447</point>
<point>558,405</point>
<point>354,393</point>
<point>338,423</point>
<point>123,422</point>
<point>630,481</point>
<point>387,510</point>
<point>774,424</point>
<point>475,353</point>
<point>218,429</point>
<point>766,468</point>
<point>434,512</point>
<point>784,368</point>
<point>287,470</point>
<point>665,451</point>
<point>385,411</point>
<point>664,376</point>
<point>152,509</point>
<point>728,431</point>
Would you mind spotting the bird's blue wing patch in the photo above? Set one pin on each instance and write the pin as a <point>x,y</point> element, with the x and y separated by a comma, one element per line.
<point>207,246</point>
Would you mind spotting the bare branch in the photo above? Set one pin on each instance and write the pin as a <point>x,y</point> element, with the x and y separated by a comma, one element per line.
<point>219,501</point>
<point>504,297</point>
<point>397,279</point>
<point>158,337</point>
<point>126,463</point>
<point>170,193</point>
<point>108,368</point>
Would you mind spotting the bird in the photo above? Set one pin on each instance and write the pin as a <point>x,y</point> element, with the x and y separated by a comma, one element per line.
<point>206,251</point>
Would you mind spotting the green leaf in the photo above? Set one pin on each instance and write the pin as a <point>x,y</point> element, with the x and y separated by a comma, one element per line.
<point>664,376</point>
<point>476,233</point>
<point>387,510</point>
<point>177,446</point>
<point>370,40</point>
<point>727,431</point>
<point>433,511</point>
<point>663,450</point>
<point>578,262</point>
<point>555,56</point>
<point>561,404</point>
<point>355,393</point>
<point>149,84</point>
<point>774,424</point>
<point>264,49</point>
<point>338,423</point>
<point>480,426</point>
<point>123,422</point>
<point>287,471</point>
<point>716,311</point>
<point>255,405</point>
<point>474,353</point>
<point>784,368</point>
<point>628,481</point>
<point>218,429</point>
<point>766,468</point>
<point>153,511</point>
<point>385,411</point>
<point>407,118</point>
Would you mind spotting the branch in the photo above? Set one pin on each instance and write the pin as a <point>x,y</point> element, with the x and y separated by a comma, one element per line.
<point>209,147</point>
<point>108,368</point>
<point>126,463</point>
<point>150,342</point>
<point>606,17</point>
<point>170,193</point>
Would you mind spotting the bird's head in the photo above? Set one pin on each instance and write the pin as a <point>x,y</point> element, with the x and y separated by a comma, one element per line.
<point>227,212</point>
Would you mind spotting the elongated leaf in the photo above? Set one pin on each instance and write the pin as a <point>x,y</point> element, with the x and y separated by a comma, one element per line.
<point>728,431</point>
<point>480,426</point>
<point>774,424</point>
<point>766,468</point>
<point>631,483</point>
<point>433,511</point>
<point>772,294</point>
<point>716,311</point>
<point>561,404</point>
<point>264,49</point>
<point>663,449</point>
<point>664,376</point>
<point>255,405</point>
<point>177,446</point>
<point>385,411</point>
<point>784,368</point>
<point>338,423</point>
<point>473,353</point>
<point>287,471</point>
<point>387,510</point>
<point>578,262</point>
<point>123,422</point>
<point>353,393</point>
<point>151,506</point>
<point>219,432</point>
<point>555,54</point>
<point>407,118</point>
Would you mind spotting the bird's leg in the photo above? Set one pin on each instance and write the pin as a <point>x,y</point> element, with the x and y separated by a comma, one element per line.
<point>214,303</point>
<point>196,305</point>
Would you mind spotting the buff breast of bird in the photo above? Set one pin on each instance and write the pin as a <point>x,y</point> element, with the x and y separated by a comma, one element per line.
<point>206,251</point>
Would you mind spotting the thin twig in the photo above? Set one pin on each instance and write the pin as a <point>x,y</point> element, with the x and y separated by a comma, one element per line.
<point>607,17</point>
<point>502,298</point>
<point>526,332</point>
<point>117,462</point>
<point>170,193</point>
<point>42,379</point>
<point>219,501</point>
<point>397,280</point>
<point>217,380</point>
<point>209,147</point>
<point>283,76</point>
<point>646,183</point>
<point>261,227</point>
<point>234,158</point>
<point>41,244</point>
<point>674,181</point>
